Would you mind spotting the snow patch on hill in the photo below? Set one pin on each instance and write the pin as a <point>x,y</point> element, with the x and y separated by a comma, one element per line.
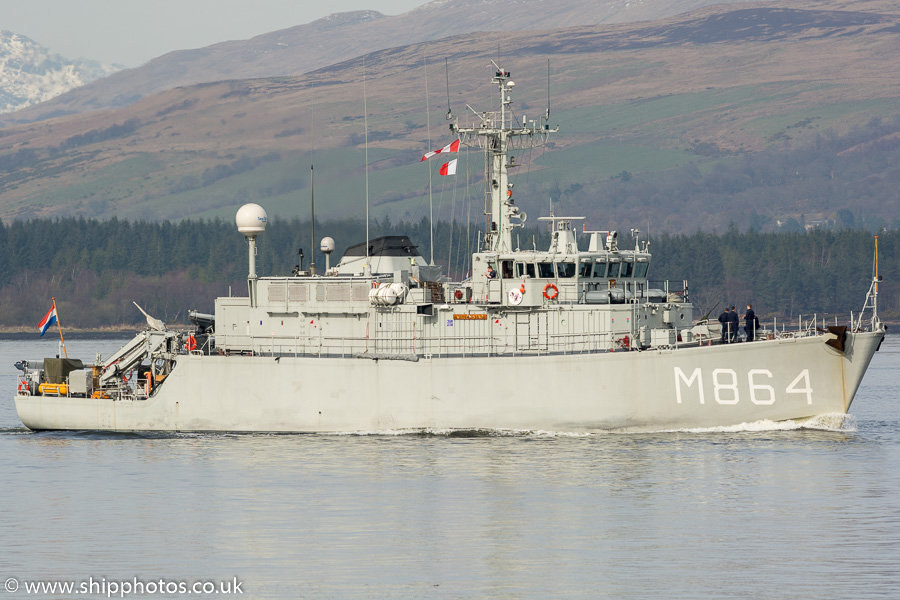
<point>30,73</point>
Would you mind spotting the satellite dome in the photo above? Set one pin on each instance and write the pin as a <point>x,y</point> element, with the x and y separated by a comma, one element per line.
<point>251,219</point>
<point>327,245</point>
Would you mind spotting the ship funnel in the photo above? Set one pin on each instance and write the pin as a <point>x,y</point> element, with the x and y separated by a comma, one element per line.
<point>251,220</point>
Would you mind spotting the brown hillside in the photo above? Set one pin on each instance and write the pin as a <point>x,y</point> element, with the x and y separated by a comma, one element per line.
<point>725,77</point>
<point>340,37</point>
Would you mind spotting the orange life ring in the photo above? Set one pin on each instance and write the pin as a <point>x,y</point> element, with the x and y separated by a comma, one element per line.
<point>24,388</point>
<point>458,294</point>
<point>191,343</point>
<point>553,291</point>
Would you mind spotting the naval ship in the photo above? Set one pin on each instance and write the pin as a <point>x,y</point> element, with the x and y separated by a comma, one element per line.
<point>569,338</point>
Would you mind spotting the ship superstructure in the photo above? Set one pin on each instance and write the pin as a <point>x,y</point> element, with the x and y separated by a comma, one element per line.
<point>573,337</point>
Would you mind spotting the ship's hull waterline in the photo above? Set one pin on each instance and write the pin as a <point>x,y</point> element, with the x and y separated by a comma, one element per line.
<point>720,385</point>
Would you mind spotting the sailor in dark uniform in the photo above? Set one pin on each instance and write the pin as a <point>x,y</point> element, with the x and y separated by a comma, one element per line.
<point>750,323</point>
<point>734,321</point>
<point>724,319</point>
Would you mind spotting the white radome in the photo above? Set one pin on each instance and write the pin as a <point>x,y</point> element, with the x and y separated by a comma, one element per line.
<point>251,219</point>
<point>326,245</point>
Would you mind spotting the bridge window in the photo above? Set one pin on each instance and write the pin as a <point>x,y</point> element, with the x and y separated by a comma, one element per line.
<point>640,269</point>
<point>613,271</point>
<point>506,269</point>
<point>626,269</point>
<point>524,270</point>
<point>600,270</point>
<point>586,269</point>
<point>566,269</point>
<point>545,270</point>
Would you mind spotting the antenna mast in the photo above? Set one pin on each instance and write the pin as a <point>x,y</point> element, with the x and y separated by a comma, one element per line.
<point>312,186</point>
<point>367,269</point>
<point>312,220</point>
<point>548,88</point>
<point>447,73</point>
<point>495,132</point>
<point>428,126</point>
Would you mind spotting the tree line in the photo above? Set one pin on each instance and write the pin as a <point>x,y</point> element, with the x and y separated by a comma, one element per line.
<point>95,269</point>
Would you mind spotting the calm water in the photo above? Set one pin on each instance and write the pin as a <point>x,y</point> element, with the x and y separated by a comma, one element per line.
<point>757,513</point>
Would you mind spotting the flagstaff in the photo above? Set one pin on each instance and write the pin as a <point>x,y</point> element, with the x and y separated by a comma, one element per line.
<point>59,328</point>
<point>49,319</point>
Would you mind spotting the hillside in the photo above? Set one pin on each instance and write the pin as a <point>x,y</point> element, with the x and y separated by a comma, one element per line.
<point>693,91</point>
<point>340,37</point>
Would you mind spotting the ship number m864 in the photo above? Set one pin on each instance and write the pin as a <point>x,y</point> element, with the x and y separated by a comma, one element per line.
<point>727,389</point>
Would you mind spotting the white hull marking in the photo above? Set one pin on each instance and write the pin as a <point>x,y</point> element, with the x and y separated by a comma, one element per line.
<point>689,382</point>
<point>718,386</point>
<point>727,380</point>
<point>791,389</point>
<point>759,386</point>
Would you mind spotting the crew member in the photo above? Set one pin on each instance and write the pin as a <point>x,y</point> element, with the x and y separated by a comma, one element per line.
<point>726,325</point>
<point>733,322</point>
<point>751,323</point>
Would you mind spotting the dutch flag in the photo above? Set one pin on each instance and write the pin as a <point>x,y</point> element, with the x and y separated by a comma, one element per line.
<point>48,320</point>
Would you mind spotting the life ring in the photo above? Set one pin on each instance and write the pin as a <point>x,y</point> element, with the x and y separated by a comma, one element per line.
<point>24,388</point>
<point>191,343</point>
<point>551,291</point>
<point>458,294</point>
<point>127,376</point>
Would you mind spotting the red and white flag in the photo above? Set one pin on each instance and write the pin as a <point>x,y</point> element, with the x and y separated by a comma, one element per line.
<point>451,147</point>
<point>449,168</point>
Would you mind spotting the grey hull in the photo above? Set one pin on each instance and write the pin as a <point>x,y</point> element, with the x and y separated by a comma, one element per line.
<point>782,379</point>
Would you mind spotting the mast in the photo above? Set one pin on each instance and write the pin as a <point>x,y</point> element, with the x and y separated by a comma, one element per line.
<point>312,219</point>
<point>497,133</point>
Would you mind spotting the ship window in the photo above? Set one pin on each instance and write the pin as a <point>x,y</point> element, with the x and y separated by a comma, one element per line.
<point>600,270</point>
<point>545,270</point>
<point>613,270</point>
<point>506,269</point>
<point>626,269</point>
<point>640,269</point>
<point>524,270</point>
<point>566,269</point>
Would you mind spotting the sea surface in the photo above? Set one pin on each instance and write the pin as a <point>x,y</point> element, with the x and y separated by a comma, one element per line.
<point>757,511</point>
